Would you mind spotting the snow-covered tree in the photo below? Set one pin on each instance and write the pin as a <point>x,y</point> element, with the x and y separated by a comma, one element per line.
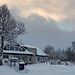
<point>9,27</point>
<point>50,51</point>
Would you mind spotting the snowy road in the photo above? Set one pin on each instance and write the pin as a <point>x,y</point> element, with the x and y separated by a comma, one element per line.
<point>46,69</point>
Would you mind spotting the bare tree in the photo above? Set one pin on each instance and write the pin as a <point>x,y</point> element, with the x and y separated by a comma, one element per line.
<point>50,51</point>
<point>9,27</point>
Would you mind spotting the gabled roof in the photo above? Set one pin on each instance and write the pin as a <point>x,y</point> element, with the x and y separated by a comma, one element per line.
<point>39,51</point>
<point>17,52</point>
<point>29,46</point>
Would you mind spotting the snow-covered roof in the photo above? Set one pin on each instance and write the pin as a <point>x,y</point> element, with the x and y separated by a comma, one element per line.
<point>18,52</point>
<point>39,51</point>
<point>29,46</point>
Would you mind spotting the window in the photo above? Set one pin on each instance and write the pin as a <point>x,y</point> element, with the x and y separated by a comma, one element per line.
<point>5,56</point>
<point>38,58</point>
<point>29,49</point>
<point>16,48</point>
<point>11,48</point>
<point>20,49</point>
<point>29,58</point>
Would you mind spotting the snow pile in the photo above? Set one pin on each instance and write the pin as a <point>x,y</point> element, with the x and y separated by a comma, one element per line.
<point>6,70</point>
<point>58,62</point>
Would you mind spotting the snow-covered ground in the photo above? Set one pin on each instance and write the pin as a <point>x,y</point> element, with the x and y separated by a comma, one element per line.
<point>39,69</point>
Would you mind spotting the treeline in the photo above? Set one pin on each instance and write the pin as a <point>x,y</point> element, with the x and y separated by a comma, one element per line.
<point>67,54</point>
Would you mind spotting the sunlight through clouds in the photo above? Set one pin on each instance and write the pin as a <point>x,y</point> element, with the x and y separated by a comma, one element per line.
<point>47,20</point>
<point>58,10</point>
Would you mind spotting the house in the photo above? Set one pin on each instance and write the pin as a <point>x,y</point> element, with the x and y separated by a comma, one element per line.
<point>38,55</point>
<point>28,53</point>
<point>16,51</point>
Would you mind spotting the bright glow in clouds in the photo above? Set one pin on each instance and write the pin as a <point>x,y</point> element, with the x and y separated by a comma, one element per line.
<point>56,9</point>
<point>47,21</point>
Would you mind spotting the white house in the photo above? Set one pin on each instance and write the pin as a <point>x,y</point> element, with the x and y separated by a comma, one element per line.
<point>28,53</point>
<point>38,55</point>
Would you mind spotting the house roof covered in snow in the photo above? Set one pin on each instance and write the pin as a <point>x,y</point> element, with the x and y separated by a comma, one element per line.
<point>29,46</point>
<point>17,52</point>
<point>39,51</point>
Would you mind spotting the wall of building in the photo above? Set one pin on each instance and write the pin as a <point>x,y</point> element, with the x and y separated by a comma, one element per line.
<point>36,59</point>
<point>34,56</point>
<point>23,57</point>
<point>26,58</point>
<point>41,59</point>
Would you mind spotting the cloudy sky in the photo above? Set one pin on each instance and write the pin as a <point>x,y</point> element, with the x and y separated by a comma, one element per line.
<point>48,22</point>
